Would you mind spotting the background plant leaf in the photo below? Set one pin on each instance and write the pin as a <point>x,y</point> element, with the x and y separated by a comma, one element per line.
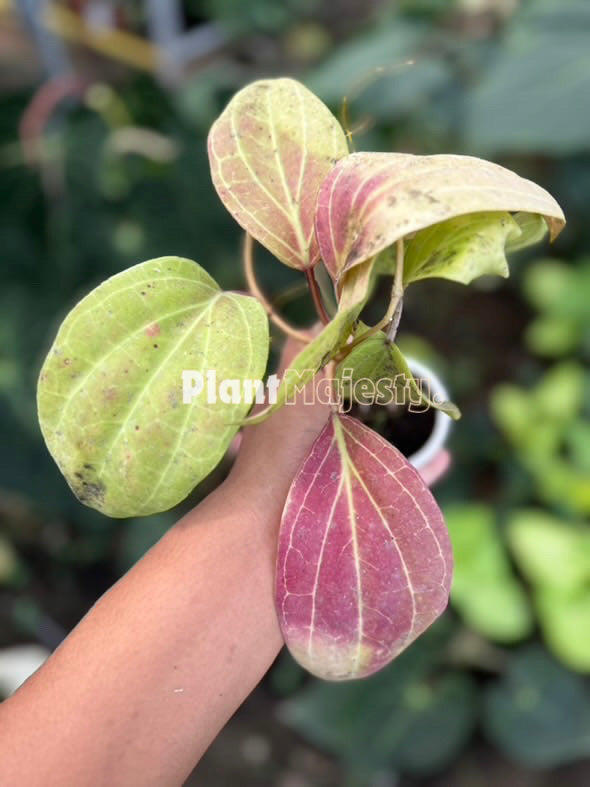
<point>485,590</point>
<point>538,713</point>
<point>410,715</point>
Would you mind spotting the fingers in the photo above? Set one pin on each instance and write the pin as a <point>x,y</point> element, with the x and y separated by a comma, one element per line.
<point>436,468</point>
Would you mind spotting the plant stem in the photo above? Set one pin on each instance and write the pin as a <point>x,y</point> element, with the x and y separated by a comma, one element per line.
<point>254,288</point>
<point>394,312</point>
<point>397,294</point>
<point>316,295</point>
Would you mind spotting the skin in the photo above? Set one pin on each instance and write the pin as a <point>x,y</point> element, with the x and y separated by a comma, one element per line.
<point>148,678</point>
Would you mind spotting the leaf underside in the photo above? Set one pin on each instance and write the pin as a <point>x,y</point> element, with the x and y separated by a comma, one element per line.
<point>269,152</point>
<point>371,200</point>
<point>110,394</point>
<point>364,561</point>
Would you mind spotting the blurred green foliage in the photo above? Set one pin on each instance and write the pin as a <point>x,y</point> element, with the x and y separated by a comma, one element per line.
<point>505,80</point>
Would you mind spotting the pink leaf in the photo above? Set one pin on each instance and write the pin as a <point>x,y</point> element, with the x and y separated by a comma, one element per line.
<point>364,561</point>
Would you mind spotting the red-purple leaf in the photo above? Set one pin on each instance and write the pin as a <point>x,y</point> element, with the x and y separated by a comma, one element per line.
<point>364,561</point>
<point>371,200</point>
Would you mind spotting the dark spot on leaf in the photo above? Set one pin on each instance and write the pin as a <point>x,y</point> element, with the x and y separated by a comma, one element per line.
<point>156,346</point>
<point>87,488</point>
<point>136,427</point>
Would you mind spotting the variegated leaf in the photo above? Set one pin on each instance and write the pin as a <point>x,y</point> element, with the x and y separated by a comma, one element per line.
<point>269,152</point>
<point>110,394</point>
<point>364,561</point>
<point>371,200</point>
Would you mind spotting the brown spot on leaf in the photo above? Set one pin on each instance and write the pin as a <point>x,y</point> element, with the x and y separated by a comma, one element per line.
<point>87,488</point>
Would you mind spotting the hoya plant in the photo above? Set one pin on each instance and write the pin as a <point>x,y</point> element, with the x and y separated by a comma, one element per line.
<point>364,562</point>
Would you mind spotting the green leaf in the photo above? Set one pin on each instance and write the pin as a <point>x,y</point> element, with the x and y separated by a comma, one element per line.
<point>546,283</point>
<point>370,360</point>
<point>461,249</point>
<point>365,58</point>
<point>485,591</point>
<point>552,337</point>
<point>539,713</point>
<point>310,361</point>
<point>269,151</point>
<point>377,359</point>
<point>400,363</point>
<point>559,291</point>
<point>9,562</point>
<point>549,552</point>
<point>110,394</point>
<point>565,620</point>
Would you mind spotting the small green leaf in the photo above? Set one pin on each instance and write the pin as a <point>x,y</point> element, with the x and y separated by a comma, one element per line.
<point>110,394</point>
<point>449,408</point>
<point>370,360</point>
<point>377,359</point>
<point>269,151</point>
<point>461,249</point>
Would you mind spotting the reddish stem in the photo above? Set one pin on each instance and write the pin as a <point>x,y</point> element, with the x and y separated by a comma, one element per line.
<point>316,295</point>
